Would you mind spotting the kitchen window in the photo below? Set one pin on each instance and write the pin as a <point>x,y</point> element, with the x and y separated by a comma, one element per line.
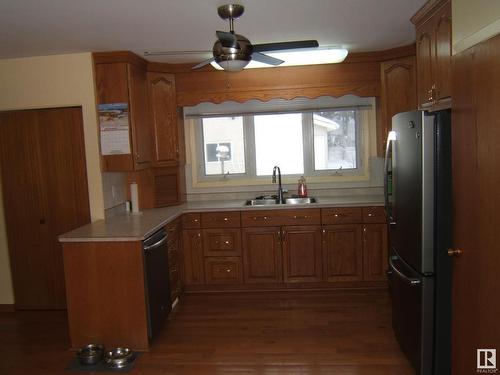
<point>326,142</point>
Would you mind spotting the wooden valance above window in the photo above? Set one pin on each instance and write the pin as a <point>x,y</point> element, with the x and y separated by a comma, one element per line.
<point>358,75</point>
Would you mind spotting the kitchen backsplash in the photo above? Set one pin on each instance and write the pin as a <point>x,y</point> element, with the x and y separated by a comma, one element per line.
<point>114,187</point>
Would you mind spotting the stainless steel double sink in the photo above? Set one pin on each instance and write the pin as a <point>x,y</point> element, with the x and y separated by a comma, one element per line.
<point>270,202</point>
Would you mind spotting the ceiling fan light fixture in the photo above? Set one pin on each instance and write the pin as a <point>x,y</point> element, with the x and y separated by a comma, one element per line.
<point>230,65</point>
<point>313,56</point>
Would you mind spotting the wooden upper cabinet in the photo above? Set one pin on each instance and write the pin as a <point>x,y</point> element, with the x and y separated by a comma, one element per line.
<point>399,93</point>
<point>167,131</point>
<point>121,78</point>
<point>433,27</point>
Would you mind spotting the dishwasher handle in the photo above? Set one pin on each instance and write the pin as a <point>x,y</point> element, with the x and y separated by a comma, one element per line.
<point>156,244</point>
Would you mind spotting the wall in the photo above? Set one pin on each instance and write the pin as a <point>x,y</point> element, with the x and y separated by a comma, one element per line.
<point>43,82</point>
<point>474,22</point>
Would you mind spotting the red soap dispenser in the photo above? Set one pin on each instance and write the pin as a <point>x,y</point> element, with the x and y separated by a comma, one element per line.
<point>302,188</point>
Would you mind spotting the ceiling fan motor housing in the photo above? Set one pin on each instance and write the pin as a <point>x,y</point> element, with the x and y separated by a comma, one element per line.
<point>244,53</point>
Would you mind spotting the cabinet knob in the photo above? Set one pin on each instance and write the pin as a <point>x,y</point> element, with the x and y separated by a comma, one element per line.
<point>226,219</point>
<point>370,214</point>
<point>137,156</point>
<point>228,270</point>
<point>226,242</point>
<point>454,252</point>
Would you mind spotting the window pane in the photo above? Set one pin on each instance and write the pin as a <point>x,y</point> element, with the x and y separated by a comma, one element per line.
<point>223,145</point>
<point>335,140</point>
<point>278,141</point>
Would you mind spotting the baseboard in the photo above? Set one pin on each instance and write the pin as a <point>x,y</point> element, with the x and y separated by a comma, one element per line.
<point>7,307</point>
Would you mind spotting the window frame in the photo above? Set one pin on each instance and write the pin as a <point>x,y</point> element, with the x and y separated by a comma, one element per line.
<point>308,149</point>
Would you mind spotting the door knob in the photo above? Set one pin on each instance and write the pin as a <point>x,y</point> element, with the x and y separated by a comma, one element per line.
<point>454,252</point>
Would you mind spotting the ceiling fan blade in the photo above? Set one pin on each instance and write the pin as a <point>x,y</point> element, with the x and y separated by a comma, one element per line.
<point>285,45</point>
<point>227,39</point>
<point>260,57</point>
<point>203,63</point>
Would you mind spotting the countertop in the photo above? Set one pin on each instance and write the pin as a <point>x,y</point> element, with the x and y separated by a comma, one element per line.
<point>137,227</point>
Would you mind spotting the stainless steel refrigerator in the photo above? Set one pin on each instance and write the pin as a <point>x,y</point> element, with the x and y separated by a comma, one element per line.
<point>418,205</point>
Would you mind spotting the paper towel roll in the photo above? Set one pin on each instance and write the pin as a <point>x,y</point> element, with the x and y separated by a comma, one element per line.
<point>134,197</point>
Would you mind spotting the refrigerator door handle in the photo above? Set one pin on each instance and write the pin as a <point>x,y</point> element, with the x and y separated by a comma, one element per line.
<point>409,280</point>
<point>391,137</point>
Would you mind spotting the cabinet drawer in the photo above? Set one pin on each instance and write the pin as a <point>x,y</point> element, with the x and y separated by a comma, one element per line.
<point>374,215</point>
<point>220,219</point>
<point>223,270</point>
<point>222,242</point>
<point>191,221</point>
<point>261,218</point>
<point>341,215</point>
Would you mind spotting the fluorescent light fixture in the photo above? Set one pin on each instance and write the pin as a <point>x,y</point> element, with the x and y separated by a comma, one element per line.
<point>309,56</point>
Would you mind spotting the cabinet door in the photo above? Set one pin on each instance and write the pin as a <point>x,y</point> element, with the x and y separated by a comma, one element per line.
<point>161,87</point>
<point>342,252</point>
<point>262,259</point>
<point>425,60</point>
<point>374,252</point>
<point>443,52</point>
<point>302,254</point>
<point>192,256</point>
<point>399,93</point>
<point>139,119</point>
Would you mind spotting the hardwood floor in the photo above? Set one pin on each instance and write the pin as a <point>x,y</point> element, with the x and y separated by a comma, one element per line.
<point>339,332</point>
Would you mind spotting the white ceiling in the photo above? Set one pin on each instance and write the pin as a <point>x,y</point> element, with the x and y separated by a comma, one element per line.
<point>44,27</point>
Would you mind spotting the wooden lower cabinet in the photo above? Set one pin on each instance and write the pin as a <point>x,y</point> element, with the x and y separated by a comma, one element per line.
<point>223,270</point>
<point>173,248</point>
<point>342,252</point>
<point>192,256</point>
<point>302,254</point>
<point>375,249</point>
<point>262,255</point>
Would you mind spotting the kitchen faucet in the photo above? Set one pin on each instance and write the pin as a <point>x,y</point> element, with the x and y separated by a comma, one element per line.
<point>280,189</point>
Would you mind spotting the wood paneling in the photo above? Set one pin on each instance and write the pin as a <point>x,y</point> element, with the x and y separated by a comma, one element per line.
<point>476,160</point>
<point>106,295</point>
<point>362,79</point>
<point>192,257</point>
<point>302,254</point>
<point>399,93</point>
<point>262,255</point>
<point>44,183</point>
<point>342,253</point>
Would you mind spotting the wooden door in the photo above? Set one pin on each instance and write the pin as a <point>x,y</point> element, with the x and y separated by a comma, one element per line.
<point>163,109</point>
<point>425,61</point>
<point>192,256</point>
<point>443,52</point>
<point>139,116</point>
<point>375,249</point>
<point>302,254</point>
<point>399,93</point>
<point>476,201</point>
<point>262,256</point>
<point>44,183</point>
<point>342,252</point>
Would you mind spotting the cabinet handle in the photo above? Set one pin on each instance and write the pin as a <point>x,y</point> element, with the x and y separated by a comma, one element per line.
<point>370,214</point>
<point>339,215</point>
<point>324,231</point>
<point>199,234</point>
<point>226,242</point>
<point>226,219</point>
<point>137,156</point>
<point>300,217</point>
<point>195,220</point>
<point>260,217</point>
<point>228,270</point>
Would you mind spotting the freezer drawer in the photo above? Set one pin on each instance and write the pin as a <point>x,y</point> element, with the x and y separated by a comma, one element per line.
<point>412,309</point>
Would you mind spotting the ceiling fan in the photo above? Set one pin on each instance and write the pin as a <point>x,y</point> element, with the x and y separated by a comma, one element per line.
<point>232,52</point>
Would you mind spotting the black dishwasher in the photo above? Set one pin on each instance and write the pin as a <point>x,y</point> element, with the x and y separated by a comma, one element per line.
<point>156,273</point>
